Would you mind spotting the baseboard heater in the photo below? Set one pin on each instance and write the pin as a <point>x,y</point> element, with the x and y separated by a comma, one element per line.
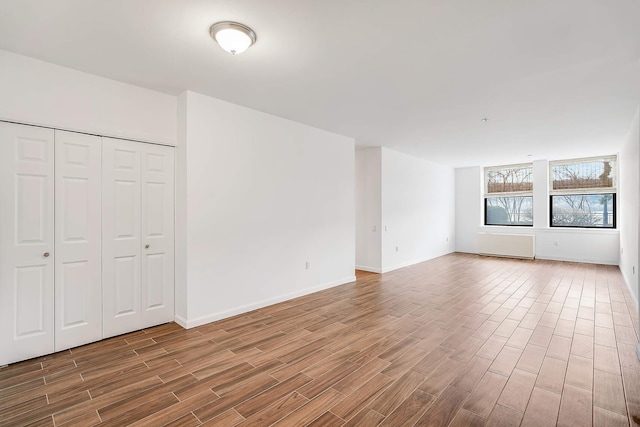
<point>507,245</point>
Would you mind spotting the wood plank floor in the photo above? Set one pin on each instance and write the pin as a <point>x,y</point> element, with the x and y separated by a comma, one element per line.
<point>457,341</point>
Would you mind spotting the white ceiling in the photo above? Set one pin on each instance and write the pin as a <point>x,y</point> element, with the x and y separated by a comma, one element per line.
<point>555,78</point>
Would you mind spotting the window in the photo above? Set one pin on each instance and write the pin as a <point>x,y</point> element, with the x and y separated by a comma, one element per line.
<point>509,195</point>
<point>583,192</point>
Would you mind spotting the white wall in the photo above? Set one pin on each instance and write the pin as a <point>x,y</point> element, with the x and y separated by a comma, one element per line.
<point>264,195</point>
<point>629,205</point>
<point>369,209</point>
<point>588,245</point>
<point>418,204</point>
<point>468,208</point>
<point>40,93</point>
<point>579,245</point>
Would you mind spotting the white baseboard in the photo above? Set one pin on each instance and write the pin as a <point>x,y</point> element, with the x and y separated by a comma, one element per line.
<point>569,259</point>
<point>180,321</point>
<point>369,269</point>
<point>203,320</point>
<point>635,300</point>
<point>413,262</point>
<point>565,259</point>
<point>626,282</point>
<point>465,252</point>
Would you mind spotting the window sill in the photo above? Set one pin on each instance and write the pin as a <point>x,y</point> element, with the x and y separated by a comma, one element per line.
<point>563,230</point>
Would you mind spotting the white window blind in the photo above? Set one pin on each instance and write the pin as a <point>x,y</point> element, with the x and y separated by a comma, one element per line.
<point>583,176</point>
<point>512,180</point>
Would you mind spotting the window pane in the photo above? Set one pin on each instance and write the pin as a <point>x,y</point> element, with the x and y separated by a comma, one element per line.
<point>584,210</point>
<point>590,174</point>
<point>509,210</point>
<point>509,180</point>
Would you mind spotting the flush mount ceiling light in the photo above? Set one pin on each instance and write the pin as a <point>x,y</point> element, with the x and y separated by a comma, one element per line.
<point>233,37</point>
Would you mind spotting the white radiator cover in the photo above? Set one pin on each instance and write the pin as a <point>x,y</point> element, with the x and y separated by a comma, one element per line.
<point>507,245</point>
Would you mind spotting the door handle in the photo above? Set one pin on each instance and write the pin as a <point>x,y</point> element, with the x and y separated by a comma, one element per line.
<point>146,246</point>
<point>46,254</point>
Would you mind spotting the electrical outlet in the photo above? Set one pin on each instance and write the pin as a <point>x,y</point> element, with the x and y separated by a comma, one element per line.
<point>308,265</point>
<point>396,249</point>
<point>385,228</point>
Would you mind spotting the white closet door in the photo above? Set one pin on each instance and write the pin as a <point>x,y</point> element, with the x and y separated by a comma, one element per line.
<point>121,237</point>
<point>157,235</point>
<point>26,242</point>
<point>78,290</point>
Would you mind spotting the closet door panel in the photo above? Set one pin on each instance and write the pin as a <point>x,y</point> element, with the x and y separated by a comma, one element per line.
<point>78,290</point>
<point>121,236</point>
<point>158,235</point>
<point>26,242</point>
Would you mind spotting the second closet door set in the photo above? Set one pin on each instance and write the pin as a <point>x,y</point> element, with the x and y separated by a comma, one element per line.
<point>86,239</point>
<point>137,235</point>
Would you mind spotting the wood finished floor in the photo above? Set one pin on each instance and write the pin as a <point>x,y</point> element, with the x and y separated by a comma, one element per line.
<point>460,341</point>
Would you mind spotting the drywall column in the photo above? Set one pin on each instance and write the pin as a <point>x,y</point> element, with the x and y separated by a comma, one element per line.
<point>469,207</point>
<point>540,194</point>
<point>635,132</point>
<point>628,208</point>
<point>369,209</point>
<point>418,205</point>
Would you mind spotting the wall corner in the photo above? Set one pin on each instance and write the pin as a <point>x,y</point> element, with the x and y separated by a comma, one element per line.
<point>181,214</point>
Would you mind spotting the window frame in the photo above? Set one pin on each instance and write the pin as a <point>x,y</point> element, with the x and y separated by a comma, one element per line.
<point>491,195</point>
<point>587,191</point>
<point>486,199</point>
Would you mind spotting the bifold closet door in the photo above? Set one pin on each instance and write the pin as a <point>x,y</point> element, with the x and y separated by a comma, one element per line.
<point>78,290</point>
<point>137,235</point>
<point>158,207</point>
<point>121,238</point>
<point>26,242</point>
